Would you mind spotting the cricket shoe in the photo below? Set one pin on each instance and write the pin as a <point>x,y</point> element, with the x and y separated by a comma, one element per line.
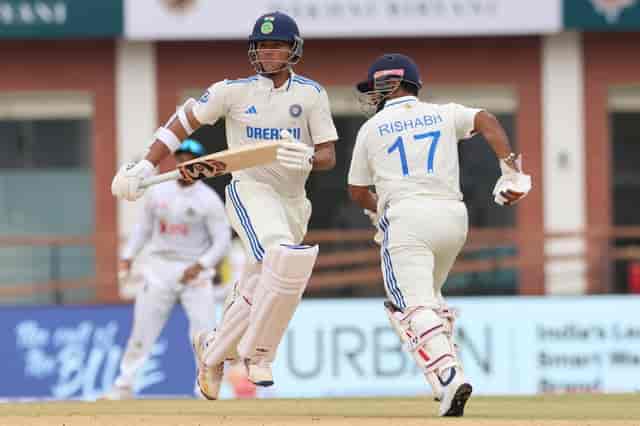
<point>259,373</point>
<point>208,378</point>
<point>455,393</point>
<point>118,393</point>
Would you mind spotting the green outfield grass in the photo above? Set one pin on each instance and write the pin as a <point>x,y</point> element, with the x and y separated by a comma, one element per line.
<point>542,410</point>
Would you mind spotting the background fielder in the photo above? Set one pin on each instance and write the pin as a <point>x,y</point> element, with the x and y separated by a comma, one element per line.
<point>409,151</point>
<point>267,206</point>
<point>188,233</point>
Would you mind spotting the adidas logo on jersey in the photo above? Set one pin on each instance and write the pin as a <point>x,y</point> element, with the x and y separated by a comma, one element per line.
<point>251,110</point>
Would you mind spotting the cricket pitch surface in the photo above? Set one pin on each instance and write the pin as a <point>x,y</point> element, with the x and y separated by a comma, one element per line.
<point>561,410</point>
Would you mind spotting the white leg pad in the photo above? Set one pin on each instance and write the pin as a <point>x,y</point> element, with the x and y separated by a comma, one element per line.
<point>449,316</point>
<point>286,270</point>
<point>406,335</point>
<point>422,331</point>
<point>221,343</point>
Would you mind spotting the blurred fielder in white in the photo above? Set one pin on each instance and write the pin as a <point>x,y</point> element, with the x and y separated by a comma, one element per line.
<point>267,206</point>
<point>409,151</point>
<point>188,233</point>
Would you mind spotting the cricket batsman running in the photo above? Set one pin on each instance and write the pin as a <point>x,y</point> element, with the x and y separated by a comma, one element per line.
<point>267,206</point>
<point>409,151</point>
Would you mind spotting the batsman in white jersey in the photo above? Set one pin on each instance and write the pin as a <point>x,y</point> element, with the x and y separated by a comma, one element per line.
<point>267,205</point>
<point>188,235</point>
<point>409,151</point>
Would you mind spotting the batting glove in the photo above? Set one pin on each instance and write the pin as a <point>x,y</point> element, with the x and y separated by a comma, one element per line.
<point>293,154</point>
<point>513,185</point>
<point>126,183</point>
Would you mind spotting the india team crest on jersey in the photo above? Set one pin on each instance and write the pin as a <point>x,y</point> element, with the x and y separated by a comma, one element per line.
<point>612,9</point>
<point>295,110</point>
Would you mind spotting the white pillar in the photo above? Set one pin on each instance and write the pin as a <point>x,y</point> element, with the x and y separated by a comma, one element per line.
<point>564,160</point>
<point>136,112</point>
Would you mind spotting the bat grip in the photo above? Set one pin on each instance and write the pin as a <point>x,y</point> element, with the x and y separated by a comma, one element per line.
<point>153,180</point>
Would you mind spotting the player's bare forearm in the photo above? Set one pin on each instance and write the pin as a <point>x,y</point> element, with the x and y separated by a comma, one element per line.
<point>159,150</point>
<point>363,197</point>
<point>488,125</point>
<point>324,156</point>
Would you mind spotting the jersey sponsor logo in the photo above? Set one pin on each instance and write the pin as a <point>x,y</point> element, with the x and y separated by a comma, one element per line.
<point>270,133</point>
<point>251,110</point>
<point>415,123</point>
<point>174,228</point>
<point>295,110</point>
<point>205,97</point>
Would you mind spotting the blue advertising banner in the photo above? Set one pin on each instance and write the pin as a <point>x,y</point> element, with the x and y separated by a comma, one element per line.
<point>340,348</point>
<point>74,352</point>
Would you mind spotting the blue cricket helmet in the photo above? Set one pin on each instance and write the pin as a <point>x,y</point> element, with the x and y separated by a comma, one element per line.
<point>390,66</point>
<point>191,146</point>
<point>385,76</point>
<point>275,26</point>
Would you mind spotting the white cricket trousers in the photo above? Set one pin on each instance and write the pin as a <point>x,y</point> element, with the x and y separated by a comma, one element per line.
<point>264,218</point>
<point>421,240</point>
<point>155,300</point>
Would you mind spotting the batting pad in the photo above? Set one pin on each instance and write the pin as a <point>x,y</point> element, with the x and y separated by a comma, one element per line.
<point>285,273</point>
<point>235,321</point>
<point>424,335</point>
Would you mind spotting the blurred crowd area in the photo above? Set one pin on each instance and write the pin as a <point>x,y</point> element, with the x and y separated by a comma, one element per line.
<point>77,100</point>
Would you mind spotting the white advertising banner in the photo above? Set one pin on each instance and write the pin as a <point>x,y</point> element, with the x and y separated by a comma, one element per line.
<point>508,345</point>
<point>212,19</point>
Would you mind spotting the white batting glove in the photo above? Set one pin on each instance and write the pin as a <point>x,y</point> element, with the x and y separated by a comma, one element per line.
<point>126,183</point>
<point>293,154</point>
<point>373,217</point>
<point>513,185</point>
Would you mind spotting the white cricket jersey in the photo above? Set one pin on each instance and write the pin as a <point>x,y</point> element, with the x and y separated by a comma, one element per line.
<point>411,147</point>
<point>185,223</point>
<point>256,112</point>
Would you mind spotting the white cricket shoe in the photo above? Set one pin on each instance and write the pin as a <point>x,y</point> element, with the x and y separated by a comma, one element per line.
<point>259,373</point>
<point>208,378</point>
<point>455,393</point>
<point>118,393</point>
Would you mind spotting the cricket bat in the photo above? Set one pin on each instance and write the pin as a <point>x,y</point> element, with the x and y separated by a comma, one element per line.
<point>219,163</point>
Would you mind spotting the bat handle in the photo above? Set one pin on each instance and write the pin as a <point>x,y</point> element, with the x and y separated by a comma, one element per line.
<point>163,177</point>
